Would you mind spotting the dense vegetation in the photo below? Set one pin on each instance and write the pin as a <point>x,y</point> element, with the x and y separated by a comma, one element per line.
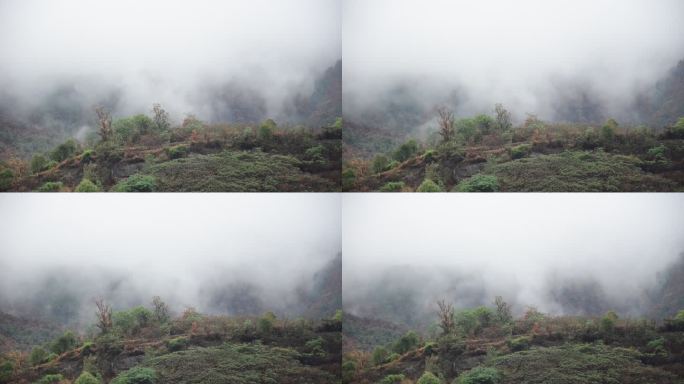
<point>488,345</point>
<point>146,345</point>
<point>488,154</point>
<point>144,154</point>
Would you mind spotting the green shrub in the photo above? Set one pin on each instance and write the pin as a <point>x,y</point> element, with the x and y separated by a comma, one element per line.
<point>430,155</point>
<point>392,186</point>
<point>177,344</point>
<point>130,322</point>
<point>87,348</point>
<point>478,183</point>
<point>480,375</point>
<point>393,356</point>
<point>51,186</point>
<point>380,163</point>
<point>657,346</point>
<point>6,178</point>
<point>38,356</point>
<point>176,152</point>
<point>677,130</point>
<point>136,375</point>
<point>348,178</point>
<point>430,348</point>
<point>314,347</point>
<point>392,379</point>
<point>429,378</point>
<point>518,343</point>
<point>405,151</point>
<point>429,186</point>
<point>607,324</point>
<point>87,186</point>
<point>265,323</point>
<point>87,378</point>
<point>64,150</point>
<point>379,355</point>
<point>471,321</point>
<point>38,163</point>
<point>6,371</point>
<point>137,183</point>
<point>129,129</point>
<point>87,156</point>
<point>266,130</point>
<point>48,379</point>
<point>66,342</point>
<point>407,342</point>
<point>348,371</point>
<point>520,151</point>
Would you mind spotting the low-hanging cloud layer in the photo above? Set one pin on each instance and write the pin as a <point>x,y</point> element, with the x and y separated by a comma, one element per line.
<point>231,254</point>
<point>403,253</point>
<point>131,54</point>
<point>533,56</point>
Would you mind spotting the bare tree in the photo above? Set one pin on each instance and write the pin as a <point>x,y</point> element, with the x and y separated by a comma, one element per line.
<point>105,120</point>
<point>503,310</point>
<point>161,117</point>
<point>446,124</point>
<point>446,317</point>
<point>104,315</point>
<point>161,310</point>
<point>503,117</point>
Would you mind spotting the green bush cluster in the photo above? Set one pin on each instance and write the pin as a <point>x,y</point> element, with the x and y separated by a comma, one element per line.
<point>393,186</point>
<point>87,378</point>
<point>392,379</point>
<point>410,340</point>
<point>136,375</point>
<point>51,186</point>
<point>429,378</point>
<point>38,356</point>
<point>64,343</point>
<point>137,183</point>
<point>405,151</point>
<point>176,152</point>
<point>130,322</point>
<point>6,371</point>
<point>429,186</point>
<point>480,375</point>
<point>520,343</point>
<point>478,183</point>
<point>176,344</point>
<point>87,186</point>
<point>379,355</point>
<point>520,151</point>
<point>49,379</point>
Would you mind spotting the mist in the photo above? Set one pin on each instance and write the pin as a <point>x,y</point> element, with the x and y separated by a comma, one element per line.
<point>565,254</point>
<point>234,254</point>
<point>127,55</point>
<point>563,60</point>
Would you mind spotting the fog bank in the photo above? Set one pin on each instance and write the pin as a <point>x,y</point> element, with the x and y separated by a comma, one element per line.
<point>562,60</point>
<point>129,54</point>
<point>562,253</point>
<point>220,253</point>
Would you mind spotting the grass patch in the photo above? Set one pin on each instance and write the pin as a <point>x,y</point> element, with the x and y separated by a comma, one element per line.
<point>576,171</point>
<point>235,171</point>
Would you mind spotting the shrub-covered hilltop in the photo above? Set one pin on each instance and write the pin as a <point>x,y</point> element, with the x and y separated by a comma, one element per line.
<point>147,346</point>
<point>144,154</point>
<point>487,345</point>
<point>487,153</point>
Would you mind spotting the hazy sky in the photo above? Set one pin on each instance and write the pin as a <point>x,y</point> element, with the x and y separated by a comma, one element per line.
<point>514,52</point>
<point>513,243</point>
<point>165,50</point>
<point>171,245</point>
